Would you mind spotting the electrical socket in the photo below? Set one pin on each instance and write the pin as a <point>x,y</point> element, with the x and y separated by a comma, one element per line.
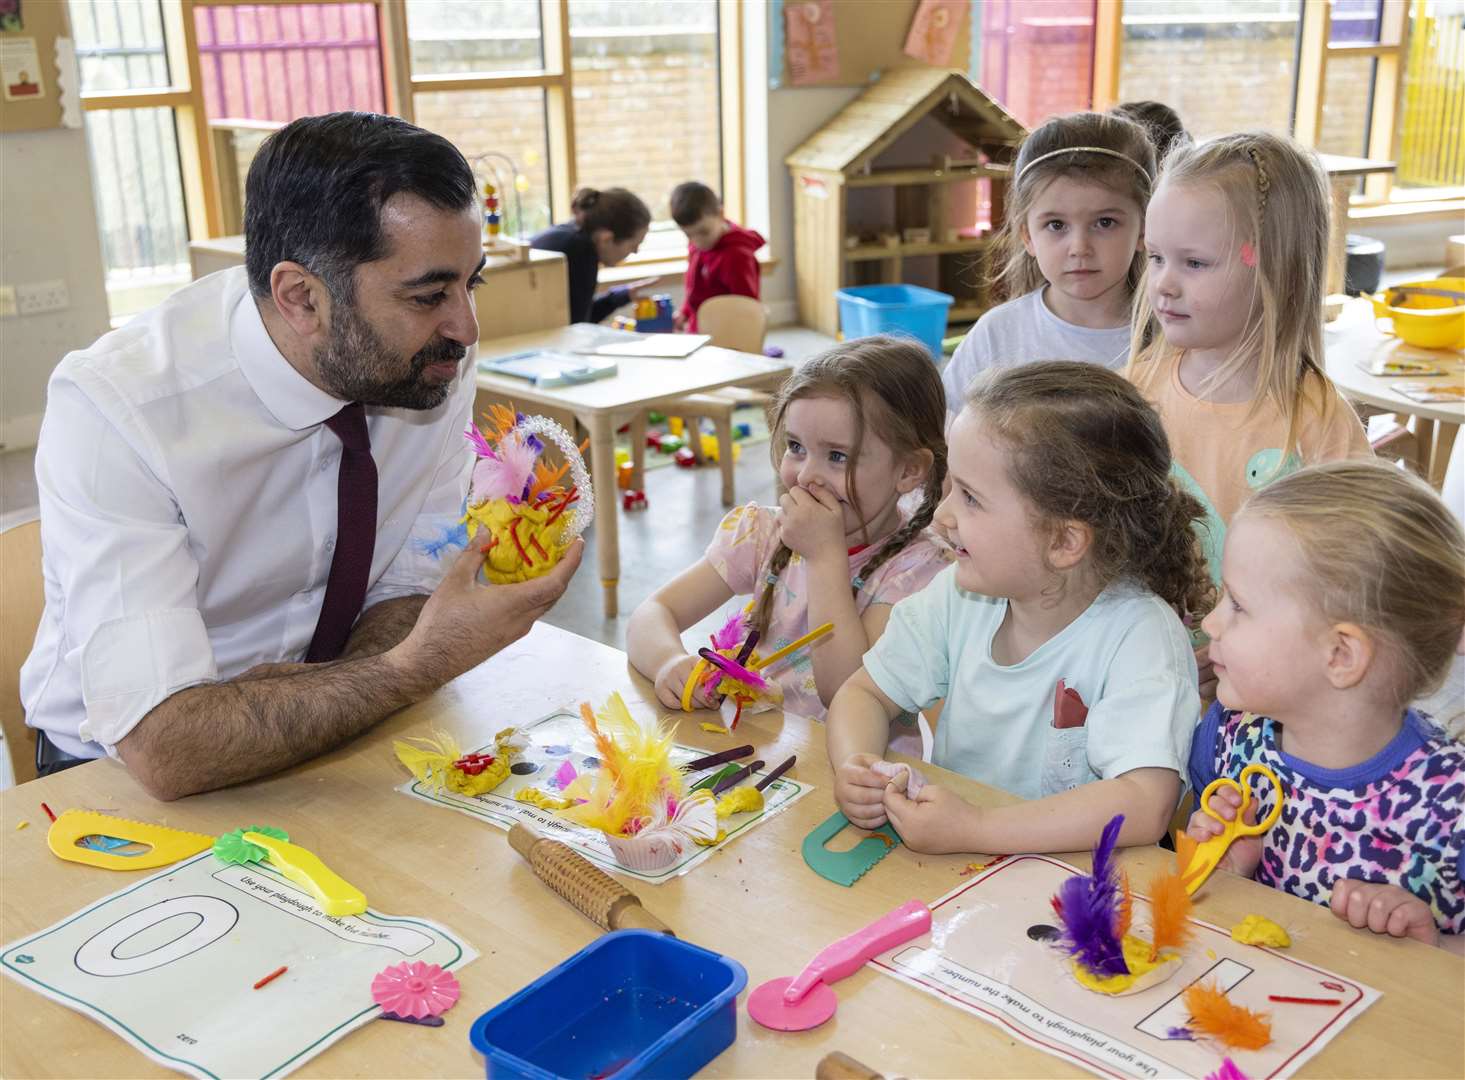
<point>42,296</point>
<point>7,301</point>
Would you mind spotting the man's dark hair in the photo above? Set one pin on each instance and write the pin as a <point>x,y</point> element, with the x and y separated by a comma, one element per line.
<point>1161,123</point>
<point>317,186</point>
<point>692,201</point>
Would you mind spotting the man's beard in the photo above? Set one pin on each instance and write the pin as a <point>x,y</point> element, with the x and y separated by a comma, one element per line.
<point>357,365</point>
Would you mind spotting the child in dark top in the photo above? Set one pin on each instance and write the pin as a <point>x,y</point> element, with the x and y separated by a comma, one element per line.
<point>609,225</point>
<point>720,253</point>
<point>1344,600</point>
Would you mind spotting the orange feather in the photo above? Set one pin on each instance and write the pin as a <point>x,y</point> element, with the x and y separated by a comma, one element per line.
<point>1212,1013</point>
<point>1169,912</point>
<point>1185,847</point>
<point>1126,907</point>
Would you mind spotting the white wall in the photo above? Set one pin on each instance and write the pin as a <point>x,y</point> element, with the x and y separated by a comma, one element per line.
<point>48,231</point>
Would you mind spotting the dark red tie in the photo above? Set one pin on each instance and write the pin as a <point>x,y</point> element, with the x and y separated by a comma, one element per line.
<point>355,536</point>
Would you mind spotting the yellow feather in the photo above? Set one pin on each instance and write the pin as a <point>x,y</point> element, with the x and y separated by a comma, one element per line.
<point>1212,1013</point>
<point>635,774</point>
<point>430,761</point>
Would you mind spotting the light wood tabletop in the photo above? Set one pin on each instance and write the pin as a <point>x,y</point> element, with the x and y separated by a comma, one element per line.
<point>755,901</point>
<point>602,405</point>
<point>1353,343</point>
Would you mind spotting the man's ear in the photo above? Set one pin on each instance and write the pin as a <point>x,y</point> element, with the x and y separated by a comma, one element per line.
<point>301,298</point>
<point>1070,543</point>
<point>914,471</point>
<point>1350,653</point>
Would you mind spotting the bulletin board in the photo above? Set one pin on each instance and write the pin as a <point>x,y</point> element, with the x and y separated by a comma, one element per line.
<point>870,36</point>
<point>31,100</point>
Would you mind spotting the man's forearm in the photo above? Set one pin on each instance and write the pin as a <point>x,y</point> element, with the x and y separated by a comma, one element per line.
<point>383,625</point>
<point>211,736</point>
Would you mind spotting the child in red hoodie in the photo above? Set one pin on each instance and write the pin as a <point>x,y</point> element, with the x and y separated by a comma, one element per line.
<point>720,253</point>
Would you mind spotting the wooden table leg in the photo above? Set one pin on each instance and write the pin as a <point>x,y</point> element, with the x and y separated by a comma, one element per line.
<point>607,525</point>
<point>1439,453</point>
<point>1424,443</point>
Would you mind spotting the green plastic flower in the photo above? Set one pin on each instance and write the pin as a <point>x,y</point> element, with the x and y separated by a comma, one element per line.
<point>233,848</point>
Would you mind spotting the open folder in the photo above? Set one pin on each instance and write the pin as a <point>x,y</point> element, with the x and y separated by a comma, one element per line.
<point>546,367</point>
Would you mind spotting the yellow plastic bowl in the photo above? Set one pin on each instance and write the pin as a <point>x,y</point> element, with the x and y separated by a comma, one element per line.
<point>1430,322</point>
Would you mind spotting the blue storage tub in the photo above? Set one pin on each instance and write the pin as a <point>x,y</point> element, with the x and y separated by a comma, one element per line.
<point>894,309</point>
<point>631,1003</point>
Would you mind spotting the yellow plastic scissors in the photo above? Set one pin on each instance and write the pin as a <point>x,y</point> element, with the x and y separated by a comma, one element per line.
<point>1196,861</point>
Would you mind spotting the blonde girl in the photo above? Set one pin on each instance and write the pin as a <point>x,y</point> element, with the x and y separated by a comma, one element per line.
<point>1344,600</point>
<point>1054,640</point>
<point>1069,254</point>
<point>1228,339</point>
<point>854,429</point>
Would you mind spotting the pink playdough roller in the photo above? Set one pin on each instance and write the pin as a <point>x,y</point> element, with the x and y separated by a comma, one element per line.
<point>806,1001</point>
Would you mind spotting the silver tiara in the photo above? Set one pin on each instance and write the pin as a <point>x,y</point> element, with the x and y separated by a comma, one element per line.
<point>1086,150</point>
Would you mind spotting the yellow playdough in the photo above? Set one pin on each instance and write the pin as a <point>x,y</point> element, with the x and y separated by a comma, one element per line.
<point>526,540</point>
<point>541,799</point>
<point>1260,930</point>
<point>491,777</point>
<point>1143,972</point>
<point>740,800</point>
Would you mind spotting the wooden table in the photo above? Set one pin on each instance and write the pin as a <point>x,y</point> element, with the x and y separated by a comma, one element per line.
<point>1353,343</point>
<point>755,901</point>
<point>602,405</point>
<point>1343,175</point>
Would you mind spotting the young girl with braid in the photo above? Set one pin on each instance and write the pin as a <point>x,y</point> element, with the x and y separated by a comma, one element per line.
<point>854,429</point>
<point>1056,640</point>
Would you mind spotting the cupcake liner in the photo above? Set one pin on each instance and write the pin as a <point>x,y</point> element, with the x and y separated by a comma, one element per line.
<point>644,853</point>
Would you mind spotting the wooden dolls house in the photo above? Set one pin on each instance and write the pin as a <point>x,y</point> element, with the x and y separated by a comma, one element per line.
<point>904,185</point>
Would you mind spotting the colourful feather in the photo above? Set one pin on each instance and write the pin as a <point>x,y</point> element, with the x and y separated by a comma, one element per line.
<point>1169,913</point>
<point>1125,914</point>
<point>1212,1013</point>
<point>1228,1071</point>
<point>730,634</point>
<point>507,473</point>
<point>635,778</point>
<point>479,443</point>
<point>1088,907</point>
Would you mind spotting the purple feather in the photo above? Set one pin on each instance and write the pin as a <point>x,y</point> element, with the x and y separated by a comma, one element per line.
<point>1088,905</point>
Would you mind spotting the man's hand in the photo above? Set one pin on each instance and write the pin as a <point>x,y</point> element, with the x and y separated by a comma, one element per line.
<point>1245,852</point>
<point>858,790</point>
<point>465,621</point>
<point>811,522</point>
<point>1384,909</point>
<point>937,821</point>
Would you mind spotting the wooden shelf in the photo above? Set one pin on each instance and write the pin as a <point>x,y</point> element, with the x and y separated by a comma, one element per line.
<point>896,251</point>
<point>899,177</point>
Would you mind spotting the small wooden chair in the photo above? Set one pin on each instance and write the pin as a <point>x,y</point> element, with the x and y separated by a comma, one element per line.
<point>24,595</point>
<point>733,322</point>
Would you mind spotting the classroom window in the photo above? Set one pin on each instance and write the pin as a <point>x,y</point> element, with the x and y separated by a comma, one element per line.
<point>1432,113</point>
<point>482,123</point>
<point>1038,59</point>
<point>646,99</point>
<point>1347,107</point>
<point>1222,65</point>
<point>469,37</point>
<point>119,46</point>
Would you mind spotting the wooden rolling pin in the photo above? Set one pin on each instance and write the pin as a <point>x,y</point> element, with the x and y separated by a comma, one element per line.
<point>597,895</point>
<point>838,1066</point>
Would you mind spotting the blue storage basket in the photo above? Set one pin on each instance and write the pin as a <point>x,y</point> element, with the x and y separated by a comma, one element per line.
<point>894,309</point>
<point>632,1003</point>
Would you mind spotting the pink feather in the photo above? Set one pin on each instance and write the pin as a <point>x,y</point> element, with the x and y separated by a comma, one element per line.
<point>506,474</point>
<point>730,635</point>
<point>478,442</point>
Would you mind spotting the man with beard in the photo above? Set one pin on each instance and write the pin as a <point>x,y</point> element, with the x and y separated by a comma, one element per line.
<point>239,487</point>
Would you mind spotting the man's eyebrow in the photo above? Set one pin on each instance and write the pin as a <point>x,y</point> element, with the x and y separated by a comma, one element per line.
<point>440,276</point>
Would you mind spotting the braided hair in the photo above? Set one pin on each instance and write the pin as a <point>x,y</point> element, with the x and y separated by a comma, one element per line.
<point>896,396</point>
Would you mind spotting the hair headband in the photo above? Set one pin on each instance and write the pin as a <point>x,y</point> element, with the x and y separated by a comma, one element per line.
<point>1085,150</point>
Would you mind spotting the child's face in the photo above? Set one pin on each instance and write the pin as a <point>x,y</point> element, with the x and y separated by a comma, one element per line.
<point>1267,640</point>
<point>818,432</point>
<point>987,520</point>
<point>706,231</point>
<point>1084,236</point>
<point>1203,293</point>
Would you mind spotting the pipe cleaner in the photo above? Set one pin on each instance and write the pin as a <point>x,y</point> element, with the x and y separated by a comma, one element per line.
<point>517,499</point>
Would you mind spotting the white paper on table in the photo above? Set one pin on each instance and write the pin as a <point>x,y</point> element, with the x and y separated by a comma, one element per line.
<point>980,957</point>
<point>561,737</point>
<point>169,963</point>
<point>657,346</point>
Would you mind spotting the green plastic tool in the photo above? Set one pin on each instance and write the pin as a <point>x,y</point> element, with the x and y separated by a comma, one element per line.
<point>846,867</point>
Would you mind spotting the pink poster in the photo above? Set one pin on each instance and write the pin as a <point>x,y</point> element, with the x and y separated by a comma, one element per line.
<point>813,53</point>
<point>934,29</point>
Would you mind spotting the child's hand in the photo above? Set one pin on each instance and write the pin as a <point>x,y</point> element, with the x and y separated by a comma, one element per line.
<point>1207,672</point>
<point>1245,852</point>
<point>678,322</point>
<point>859,791</point>
<point>672,679</point>
<point>937,821</point>
<point>811,522</point>
<point>1384,909</point>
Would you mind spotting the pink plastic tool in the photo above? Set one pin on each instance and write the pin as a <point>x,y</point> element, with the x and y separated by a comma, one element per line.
<point>806,1001</point>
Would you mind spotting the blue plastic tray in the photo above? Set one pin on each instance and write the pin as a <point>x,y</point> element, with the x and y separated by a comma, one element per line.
<point>631,1003</point>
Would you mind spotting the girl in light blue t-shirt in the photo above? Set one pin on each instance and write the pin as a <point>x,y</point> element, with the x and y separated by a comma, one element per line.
<point>1055,641</point>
